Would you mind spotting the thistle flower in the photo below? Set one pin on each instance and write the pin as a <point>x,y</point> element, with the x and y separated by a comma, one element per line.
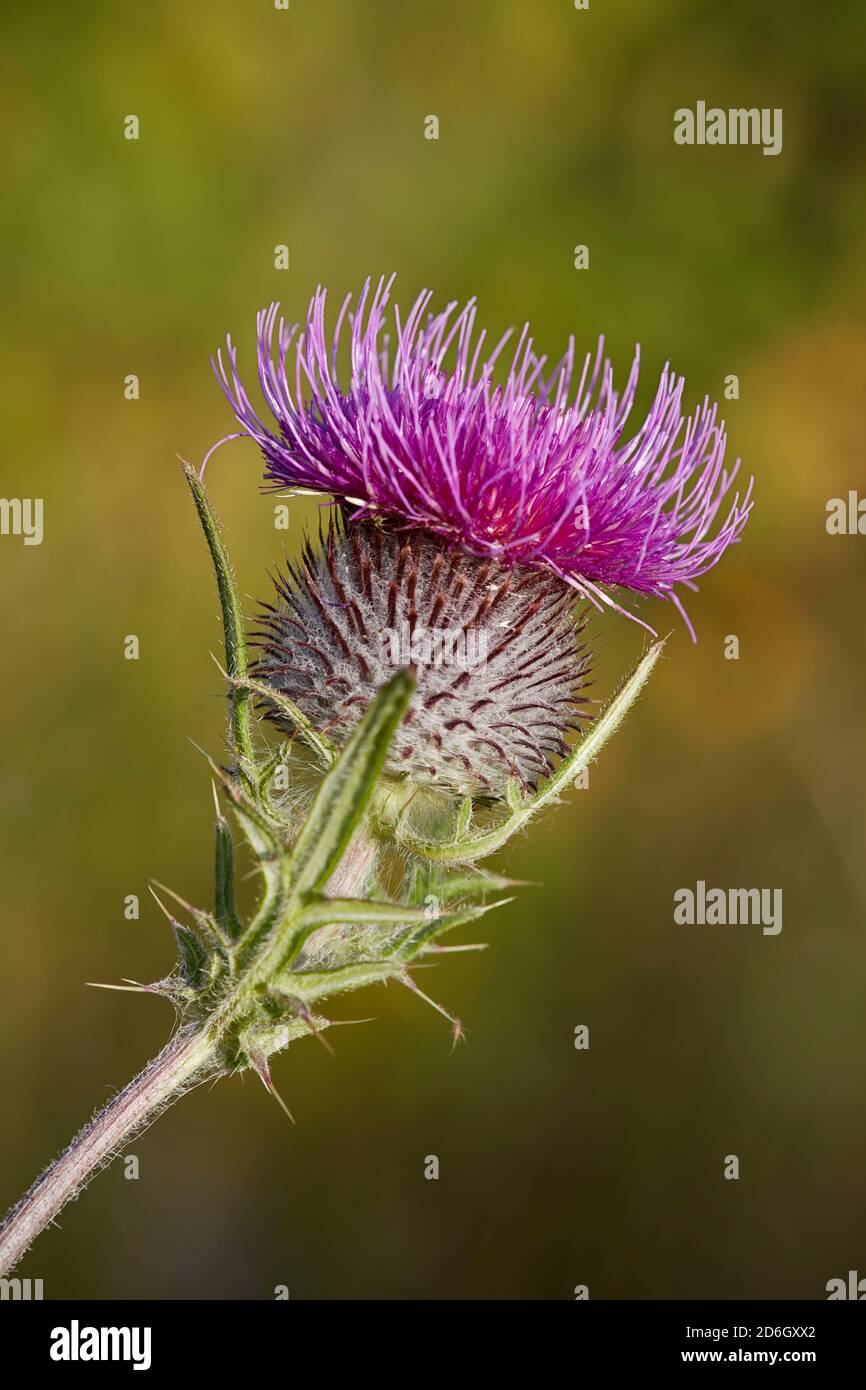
<point>534,470</point>
<point>471,506</point>
<point>468,510</point>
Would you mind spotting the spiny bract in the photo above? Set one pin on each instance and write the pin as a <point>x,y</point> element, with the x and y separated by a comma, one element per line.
<point>499,669</point>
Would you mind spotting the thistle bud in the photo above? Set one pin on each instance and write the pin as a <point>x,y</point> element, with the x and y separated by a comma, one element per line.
<point>500,671</point>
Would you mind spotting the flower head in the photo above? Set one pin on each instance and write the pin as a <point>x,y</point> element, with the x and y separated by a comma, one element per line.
<point>500,674</point>
<point>532,469</point>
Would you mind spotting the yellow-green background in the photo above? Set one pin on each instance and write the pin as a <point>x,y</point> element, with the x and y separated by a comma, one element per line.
<point>305,127</point>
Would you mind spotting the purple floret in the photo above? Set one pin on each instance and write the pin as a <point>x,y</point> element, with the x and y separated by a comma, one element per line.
<point>531,469</point>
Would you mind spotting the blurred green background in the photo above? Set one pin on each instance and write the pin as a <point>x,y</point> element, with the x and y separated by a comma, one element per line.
<point>558,1167</point>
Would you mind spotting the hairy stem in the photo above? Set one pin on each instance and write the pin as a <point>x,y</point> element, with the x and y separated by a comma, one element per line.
<point>347,881</point>
<point>188,1059</point>
<point>350,875</point>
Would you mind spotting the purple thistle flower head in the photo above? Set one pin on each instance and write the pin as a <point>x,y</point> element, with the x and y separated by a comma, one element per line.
<point>534,470</point>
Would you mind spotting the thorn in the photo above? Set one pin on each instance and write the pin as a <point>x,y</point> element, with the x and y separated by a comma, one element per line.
<point>187,907</point>
<point>281,1103</point>
<point>216,800</point>
<point>198,748</point>
<point>222,775</point>
<point>263,1071</point>
<point>239,682</point>
<point>348,1022</point>
<point>128,989</point>
<point>161,905</point>
<point>307,1017</point>
<point>218,664</point>
<point>456,1025</point>
<point>450,950</point>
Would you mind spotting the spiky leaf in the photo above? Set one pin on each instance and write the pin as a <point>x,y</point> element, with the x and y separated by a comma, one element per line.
<point>193,956</point>
<point>344,793</point>
<point>232,616</point>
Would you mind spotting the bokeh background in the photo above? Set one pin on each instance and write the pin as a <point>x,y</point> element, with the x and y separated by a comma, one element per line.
<point>306,127</point>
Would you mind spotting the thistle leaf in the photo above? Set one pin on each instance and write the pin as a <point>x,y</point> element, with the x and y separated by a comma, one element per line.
<point>434,927</point>
<point>472,885</point>
<point>319,742</point>
<point>271,863</point>
<point>464,817</point>
<point>193,955</point>
<point>344,793</point>
<point>232,616</point>
<point>604,727</point>
<point>465,850</point>
<point>321,912</point>
<point>224,881</point>
<point>312,985</point>
<point>267,773</point>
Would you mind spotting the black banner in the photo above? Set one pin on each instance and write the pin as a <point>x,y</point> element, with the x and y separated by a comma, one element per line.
<point>73,1338</point>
